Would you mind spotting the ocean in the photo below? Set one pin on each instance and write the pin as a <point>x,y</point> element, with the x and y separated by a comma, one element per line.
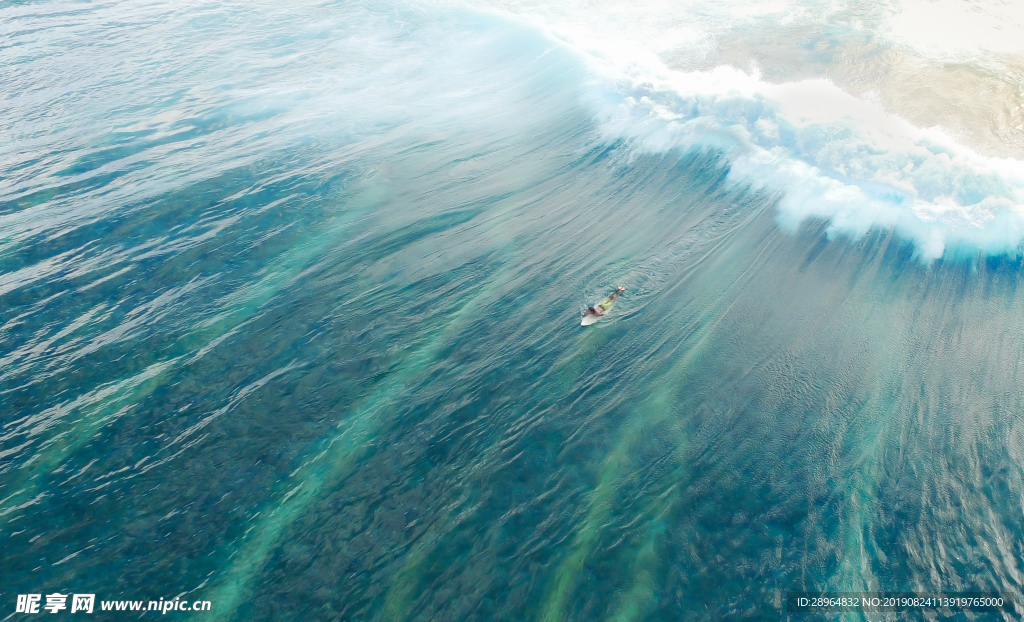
<point>290,300</point>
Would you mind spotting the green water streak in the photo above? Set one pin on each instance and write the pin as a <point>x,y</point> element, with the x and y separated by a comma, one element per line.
<point>641,597</point>
<point>651,413</point>
<point>333,461</point>
<point>402,588</point>
<point>115,399</point>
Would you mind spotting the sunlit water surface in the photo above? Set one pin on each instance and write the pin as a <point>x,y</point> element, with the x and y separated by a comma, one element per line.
<point>290,296</point>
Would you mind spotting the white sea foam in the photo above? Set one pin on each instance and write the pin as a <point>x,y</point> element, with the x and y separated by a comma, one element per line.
<point>959,30</point>
<point>829,154</point>
<point>832,155</point>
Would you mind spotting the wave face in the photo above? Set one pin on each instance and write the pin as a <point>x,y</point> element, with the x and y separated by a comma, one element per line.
<point>290,295</point>
<point>831,154</point>
<point>833,157</point>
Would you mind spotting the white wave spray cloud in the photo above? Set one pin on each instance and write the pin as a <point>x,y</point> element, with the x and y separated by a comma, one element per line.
<point>830,155</point>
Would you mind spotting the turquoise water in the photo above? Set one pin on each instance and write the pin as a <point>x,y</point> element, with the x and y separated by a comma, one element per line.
<point>289,322</point>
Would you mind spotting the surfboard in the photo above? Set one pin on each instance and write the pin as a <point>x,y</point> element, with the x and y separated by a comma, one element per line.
<point>607,303</point>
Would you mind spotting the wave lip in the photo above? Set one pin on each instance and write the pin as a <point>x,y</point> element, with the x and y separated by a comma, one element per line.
<point>830,154</point>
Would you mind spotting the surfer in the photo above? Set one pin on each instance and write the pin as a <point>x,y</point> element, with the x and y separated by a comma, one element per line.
<point>600,309</point>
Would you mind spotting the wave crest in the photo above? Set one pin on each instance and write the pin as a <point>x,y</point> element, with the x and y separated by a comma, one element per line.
<point>831,155</point>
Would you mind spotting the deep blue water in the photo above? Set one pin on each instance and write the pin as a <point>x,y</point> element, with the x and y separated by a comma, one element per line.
<point>289,321</point>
